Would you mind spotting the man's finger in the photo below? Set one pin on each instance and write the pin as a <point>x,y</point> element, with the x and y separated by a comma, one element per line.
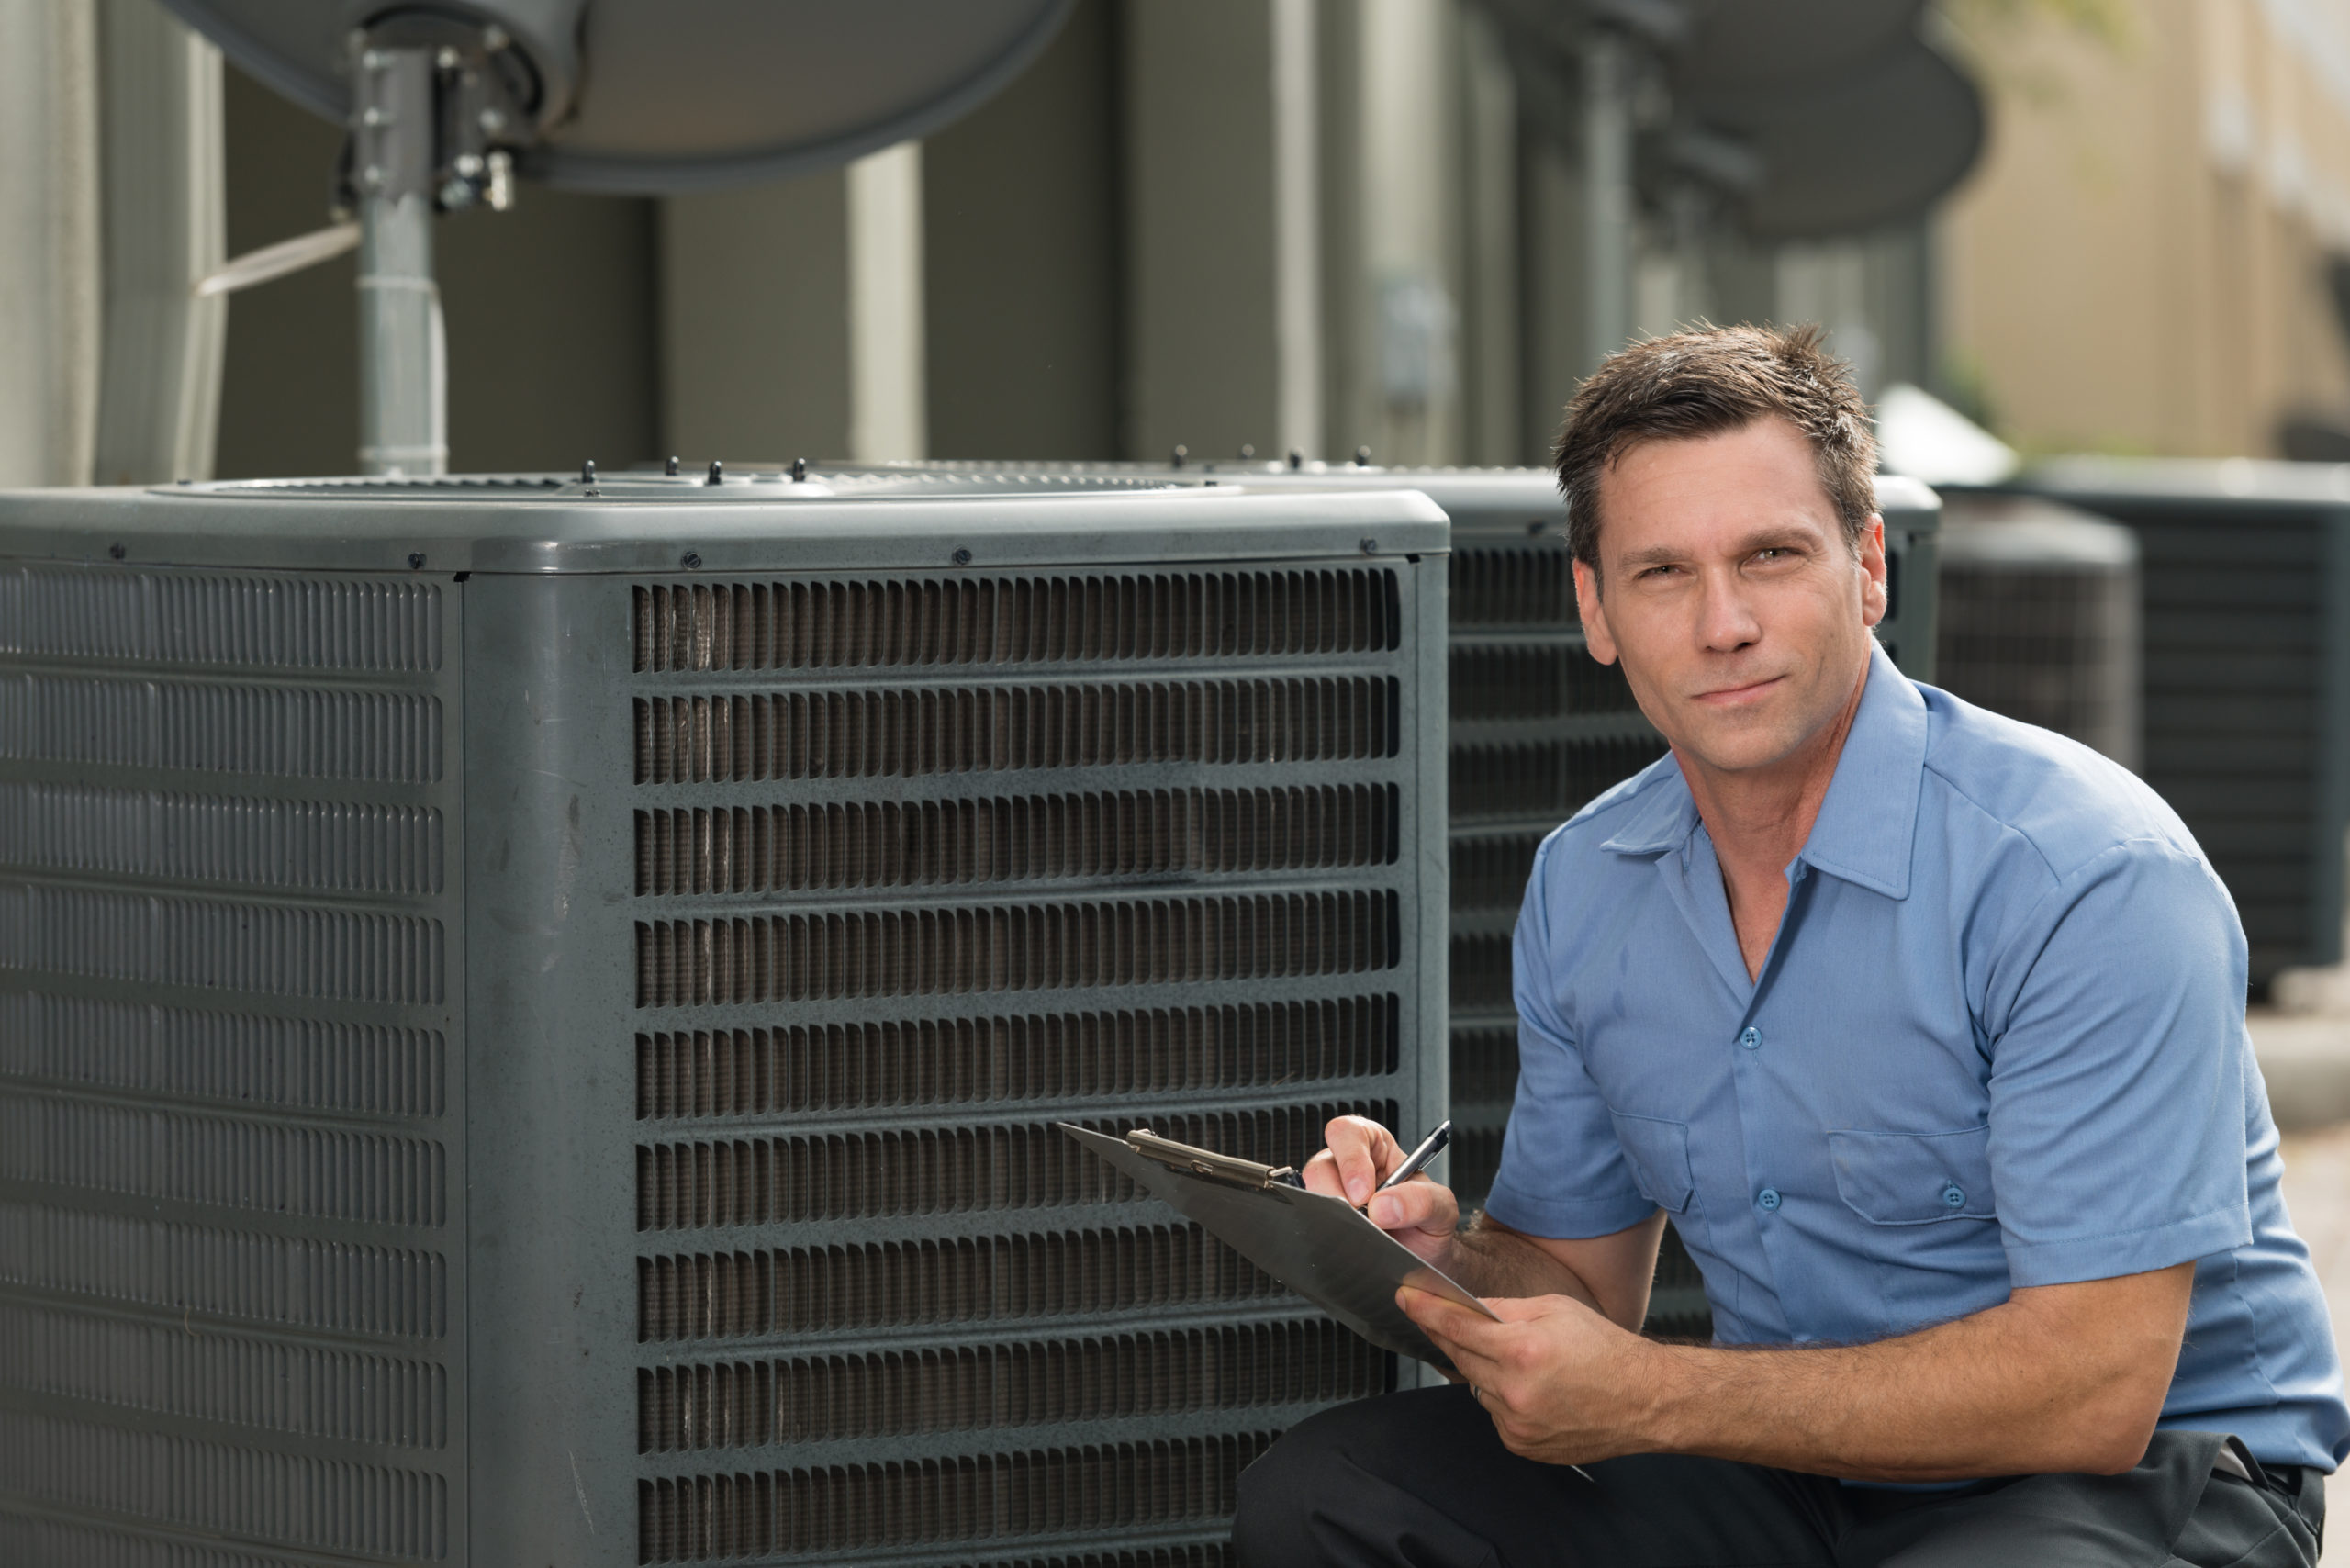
<point>1321,1175</point>
<point>1450,1325</point>
<point>1417,1205</point>
<point>1364,1153</point>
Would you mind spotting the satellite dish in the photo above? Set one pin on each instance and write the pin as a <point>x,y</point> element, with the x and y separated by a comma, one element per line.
<point>446,100</point>
<point>1877,147</point>
<point>647,97</point>
<point>1737,47</point>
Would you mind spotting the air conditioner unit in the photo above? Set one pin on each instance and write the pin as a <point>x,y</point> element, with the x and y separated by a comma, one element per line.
<point>532,1013</point>
<point>2039,618</point>
<point>1538,728</point>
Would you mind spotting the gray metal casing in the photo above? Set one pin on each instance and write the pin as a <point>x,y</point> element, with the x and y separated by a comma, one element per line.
<point>368,1113</point>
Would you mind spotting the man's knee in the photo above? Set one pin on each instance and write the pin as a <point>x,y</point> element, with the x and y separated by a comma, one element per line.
<point>1272,1526</point>
<point>1330,1491</point>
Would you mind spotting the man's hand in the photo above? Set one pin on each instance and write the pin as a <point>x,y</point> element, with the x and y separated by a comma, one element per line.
<point>1559,1381</point>
<point>1362,1154</point>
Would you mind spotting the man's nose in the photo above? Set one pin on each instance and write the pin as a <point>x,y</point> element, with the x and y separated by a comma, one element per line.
<point>1726,622</point>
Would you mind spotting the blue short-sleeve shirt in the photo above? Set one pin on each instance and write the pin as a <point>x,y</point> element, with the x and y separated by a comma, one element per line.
<point>1999,1042</point>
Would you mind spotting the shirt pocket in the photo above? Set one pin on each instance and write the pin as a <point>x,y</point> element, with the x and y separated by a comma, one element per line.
<point>1658,1152</point>
<point>1914,1178</point>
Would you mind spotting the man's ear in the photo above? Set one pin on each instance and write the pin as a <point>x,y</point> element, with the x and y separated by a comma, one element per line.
<point>1595,634</point>
<point>1873,597</point>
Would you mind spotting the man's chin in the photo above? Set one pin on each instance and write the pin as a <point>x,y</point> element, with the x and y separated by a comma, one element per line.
<point>1735,749</point>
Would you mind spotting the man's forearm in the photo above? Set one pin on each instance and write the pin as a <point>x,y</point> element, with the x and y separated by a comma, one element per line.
<point>1492,1259</point>
<point>1996,1393</point>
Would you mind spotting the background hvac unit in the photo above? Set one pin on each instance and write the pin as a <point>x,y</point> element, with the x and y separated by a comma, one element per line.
<point>530,1014</point>
<point>2245,616</point>
<point>2038,611</point>
<point>1538,728</point>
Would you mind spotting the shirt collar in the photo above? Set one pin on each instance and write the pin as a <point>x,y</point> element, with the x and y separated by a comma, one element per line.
<point>1868,821</point>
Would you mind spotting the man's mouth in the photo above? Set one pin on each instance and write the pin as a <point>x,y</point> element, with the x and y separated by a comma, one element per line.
<point>1735,696</point>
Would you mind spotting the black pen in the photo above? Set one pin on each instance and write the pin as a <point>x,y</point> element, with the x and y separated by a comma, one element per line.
<point>1415,1162</point>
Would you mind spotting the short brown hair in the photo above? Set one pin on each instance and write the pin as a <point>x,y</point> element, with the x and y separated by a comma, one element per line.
<point>1704,381</point>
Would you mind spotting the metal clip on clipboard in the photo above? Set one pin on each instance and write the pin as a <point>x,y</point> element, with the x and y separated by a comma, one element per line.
<point>1214,1166</point>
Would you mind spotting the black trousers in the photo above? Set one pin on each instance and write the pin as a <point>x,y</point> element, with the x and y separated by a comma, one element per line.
<point>1421,1480</point>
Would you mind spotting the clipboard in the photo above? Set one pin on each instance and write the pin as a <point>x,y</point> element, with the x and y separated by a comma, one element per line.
<point>1322,1248</point>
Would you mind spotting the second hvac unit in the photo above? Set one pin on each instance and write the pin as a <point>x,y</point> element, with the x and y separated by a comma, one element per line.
<point>2038,606</point>
<point>530,1014</point>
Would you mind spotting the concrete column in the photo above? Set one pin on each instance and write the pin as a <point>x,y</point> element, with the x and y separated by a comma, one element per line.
<point>1411,212</point>
<point>1607,192</point>
<point>1493,334</point>
<point>166,192</point>
<point>887,396</point>
<point>50,281</point>
<point>1297,226</point>
<point>1202,341</point>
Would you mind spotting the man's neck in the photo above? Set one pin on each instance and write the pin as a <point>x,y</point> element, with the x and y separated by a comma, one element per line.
<point>1760,819</point>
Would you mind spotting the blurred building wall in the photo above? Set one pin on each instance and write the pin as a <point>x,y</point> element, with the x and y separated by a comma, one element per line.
<point>2138,262</point>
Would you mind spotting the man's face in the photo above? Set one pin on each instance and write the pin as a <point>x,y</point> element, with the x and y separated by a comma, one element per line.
<point>1740,615</point>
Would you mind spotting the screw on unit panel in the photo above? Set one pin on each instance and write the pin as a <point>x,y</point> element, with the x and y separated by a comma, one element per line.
<point>1362,457</point>
<point>588,472</point>
<point>716,472</point>
<point>962,558</point>
<point>1247,450</point>
<point>1296,458</point>
<point>1181,453</point>
<point>117,551</point>
<point>416,560</point>
<point>799,470</point>
<point>672,469</point>
<point>1534,529</point>
<point>691,560</point>
<point>1371,547</point>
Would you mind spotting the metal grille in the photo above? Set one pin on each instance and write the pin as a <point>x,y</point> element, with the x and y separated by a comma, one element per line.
<point>959,1061</point>
<point>1047,620</point>
<point>754,1181</point>
<point>726,1405</point>
<point>908,733</point>
<point>871,844</point>
<point>954,1332</point>
<point>1115,1487</point>
<point>227,1168</point>
<point>757,958</point>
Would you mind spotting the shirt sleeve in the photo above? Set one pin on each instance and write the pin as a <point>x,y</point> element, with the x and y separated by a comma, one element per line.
<point>1562,1173</point>
<point>2118,1049</point>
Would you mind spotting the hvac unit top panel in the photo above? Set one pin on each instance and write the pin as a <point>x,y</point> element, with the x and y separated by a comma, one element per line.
<point>647,523</point>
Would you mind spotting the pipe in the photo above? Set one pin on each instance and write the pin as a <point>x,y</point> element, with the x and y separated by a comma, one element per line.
<point>403,353</point>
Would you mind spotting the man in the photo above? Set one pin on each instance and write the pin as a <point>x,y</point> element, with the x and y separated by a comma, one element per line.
<point>1925,1029</point>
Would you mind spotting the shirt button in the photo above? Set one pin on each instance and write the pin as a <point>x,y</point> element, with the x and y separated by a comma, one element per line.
<point>1768,1198</point>
<point>1752,1039</point>
<point>1954,1196</point>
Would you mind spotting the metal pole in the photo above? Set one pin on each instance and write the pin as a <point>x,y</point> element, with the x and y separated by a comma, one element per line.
<point>1607,192</point>
<point>403,357</point>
